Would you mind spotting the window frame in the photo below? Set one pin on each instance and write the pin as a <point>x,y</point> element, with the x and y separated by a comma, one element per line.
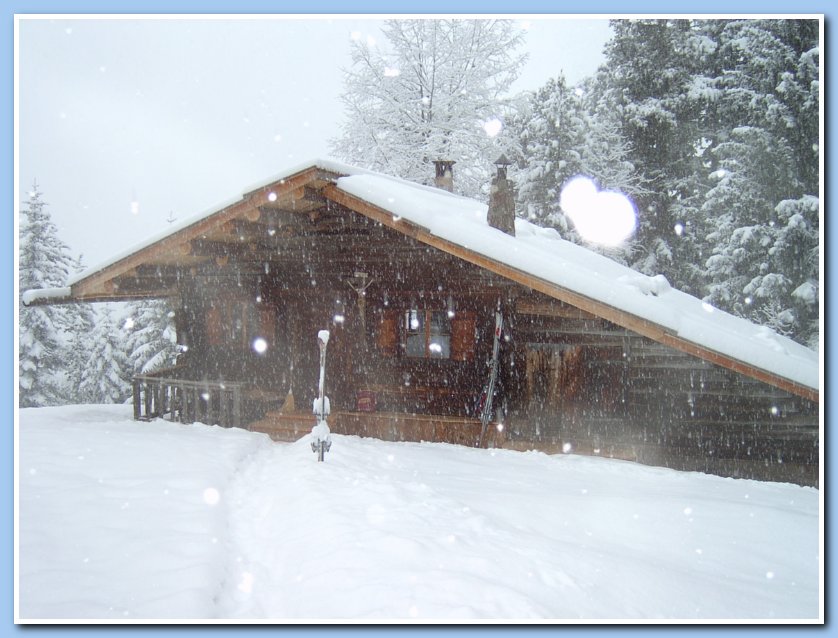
<point>425,316</point>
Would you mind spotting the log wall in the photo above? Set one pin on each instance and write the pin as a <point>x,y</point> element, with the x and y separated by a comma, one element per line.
<point>610,392</point>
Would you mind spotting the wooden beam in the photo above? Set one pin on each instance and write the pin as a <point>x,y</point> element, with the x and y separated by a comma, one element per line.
<point>550,309</point>
<point>615,315</point>
<point>111,296</point>
<point>253,214</point>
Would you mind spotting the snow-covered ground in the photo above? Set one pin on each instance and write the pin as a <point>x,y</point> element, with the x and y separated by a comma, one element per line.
<point>125,521</point>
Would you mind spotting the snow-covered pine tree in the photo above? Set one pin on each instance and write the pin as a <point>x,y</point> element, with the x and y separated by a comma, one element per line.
<point>552,132</point>
<point>751,176</point>
<point>796,253</point>
<point>106,377</point>
<point>433,95</point>
<point>562,136</point>
<point>43,262</point>
<point>152,342</point>
<point>79,321</point>
<point>649,84</point>
<point>764,262</point>
<point>763,210</point>
<point>606,153</point>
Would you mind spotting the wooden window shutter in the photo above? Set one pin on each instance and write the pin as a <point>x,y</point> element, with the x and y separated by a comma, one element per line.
<point>462,336</point>
<point>388,336</point>
<point>215,329</point>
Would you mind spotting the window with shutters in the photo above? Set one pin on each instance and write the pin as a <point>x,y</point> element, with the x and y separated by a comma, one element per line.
<point>427,334</point>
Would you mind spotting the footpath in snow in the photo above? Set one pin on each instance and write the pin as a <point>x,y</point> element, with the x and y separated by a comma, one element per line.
<point>127,521</point>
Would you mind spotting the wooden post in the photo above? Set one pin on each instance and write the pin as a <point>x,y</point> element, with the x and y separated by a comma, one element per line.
<point>225,414</point>
<point>165,401</point>
<point>155,400</point>
<point>237,407</point>
<point>210,412</point>
<point>196,405</point>
<point>182,412</point>
<point>136,391</point>
<point>147,399</point>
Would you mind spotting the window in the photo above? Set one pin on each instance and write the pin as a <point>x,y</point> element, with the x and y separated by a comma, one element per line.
<point>427,334</point>
<point>239,323</point>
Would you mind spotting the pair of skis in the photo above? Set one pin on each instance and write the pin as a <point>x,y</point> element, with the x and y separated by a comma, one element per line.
<point>489,392</point>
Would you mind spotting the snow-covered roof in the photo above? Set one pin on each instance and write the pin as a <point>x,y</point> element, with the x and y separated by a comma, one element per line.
<point>542,254</point>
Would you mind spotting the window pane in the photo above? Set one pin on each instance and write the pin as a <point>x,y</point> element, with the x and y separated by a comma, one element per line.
<point>415,345</point>
<point>440,323</point>
<point>439,347</point>
<point>439,344</point>
<point>414,321</point>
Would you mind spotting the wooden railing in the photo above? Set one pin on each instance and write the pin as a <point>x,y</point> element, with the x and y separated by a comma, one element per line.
<point>184,400</point>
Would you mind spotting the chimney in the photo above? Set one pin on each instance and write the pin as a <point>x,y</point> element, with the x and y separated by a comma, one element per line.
<point>502,199</point>
<point>444,175</point>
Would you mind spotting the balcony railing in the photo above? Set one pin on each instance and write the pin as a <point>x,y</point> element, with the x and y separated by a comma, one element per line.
<point>187,401</point>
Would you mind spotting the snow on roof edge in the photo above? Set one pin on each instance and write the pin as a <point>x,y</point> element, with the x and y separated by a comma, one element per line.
<point>43,294</point>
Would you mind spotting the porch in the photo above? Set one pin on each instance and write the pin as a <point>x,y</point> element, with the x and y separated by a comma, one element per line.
<point>170,395</point>
<point>176,395</point>
<point>386,426</point>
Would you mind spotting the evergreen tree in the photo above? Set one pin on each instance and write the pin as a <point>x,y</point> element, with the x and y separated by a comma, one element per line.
<point>43,262</point>
<point>552,132</point>
<point>563,137</point>
<point>152,342</point>
<point>763,211</point>
<point>79,323</point>
<point>432,97</point>
<point>721,117</point>
<point>766,76</point>
<point>106,377</point>
<point>606,155</point>
<point>650,83</point>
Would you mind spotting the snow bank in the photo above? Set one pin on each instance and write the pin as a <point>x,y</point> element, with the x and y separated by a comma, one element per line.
<point>122,520</point>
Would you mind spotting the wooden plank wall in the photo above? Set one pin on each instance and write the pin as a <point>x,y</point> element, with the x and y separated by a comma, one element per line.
<point>615,393</point>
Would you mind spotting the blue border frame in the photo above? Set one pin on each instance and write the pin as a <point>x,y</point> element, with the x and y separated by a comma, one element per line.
<point>321,7</point>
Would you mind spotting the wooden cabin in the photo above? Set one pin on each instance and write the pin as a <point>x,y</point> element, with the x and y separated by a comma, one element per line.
<point>593,358</point>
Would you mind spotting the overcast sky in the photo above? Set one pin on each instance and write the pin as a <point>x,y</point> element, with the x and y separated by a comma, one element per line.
<point>178,116</point>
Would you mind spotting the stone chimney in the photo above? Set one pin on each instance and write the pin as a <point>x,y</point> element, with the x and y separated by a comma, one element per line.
<point>502,199</point>
<point>444,175</point>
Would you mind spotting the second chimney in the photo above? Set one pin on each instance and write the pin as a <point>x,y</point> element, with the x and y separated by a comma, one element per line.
<point>444,175</point>
<point>502,199</point>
